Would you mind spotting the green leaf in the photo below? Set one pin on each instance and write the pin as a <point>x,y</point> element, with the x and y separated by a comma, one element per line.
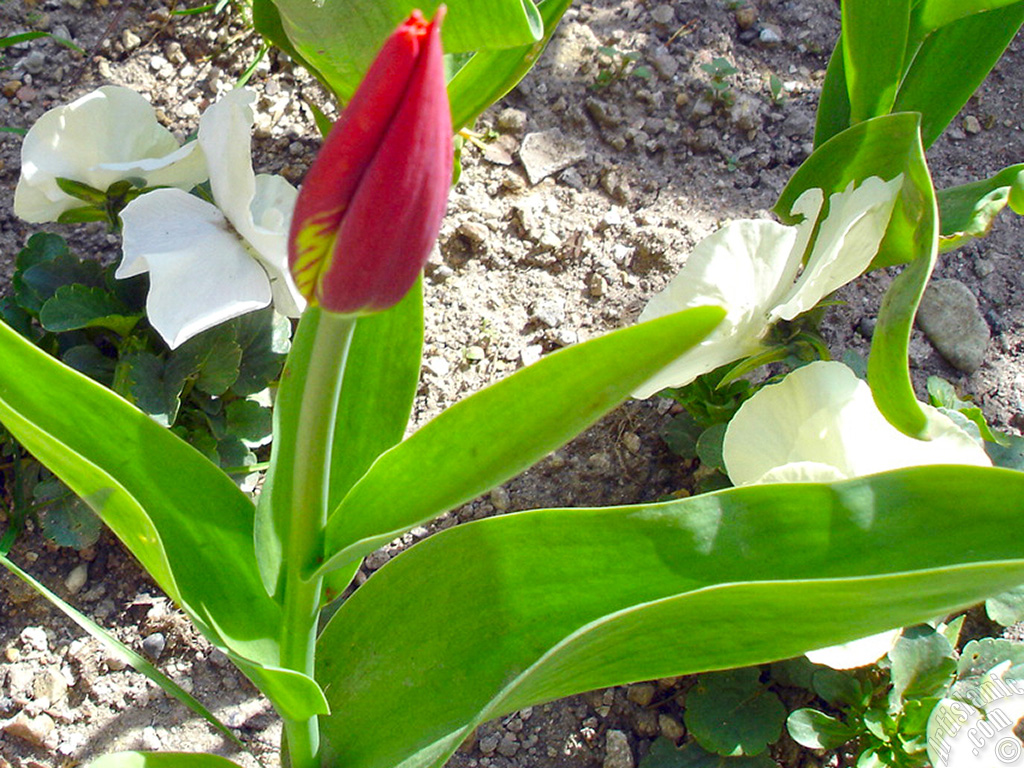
<point>932,14</point>
<point>967,211</point>
<point>145,381</point>
<point>264,338</point>
<point>494,434</point>
<point>834,104</point>
<point>939,91</point>
<point>665,754</point>
<point>63,517</point>
<point>732,713</point>
<point>82,192</point>
<point>943,395</point>
<point>87,359</point>
<point>78,306</point>
<point>179,515</point>
<point>212,358</point>
<point>709,447</point>
<point>981,656</point>
<point>490,74</point>
<point>554,602</point>
<point>884,147</point>
<point>341,37</point>
<point>161,760</point>
<point>838,687</point>
<point>816,730</point>
<point>1006,608</point>
<point>681,435</point>
<point>1009,456</point>
<point>922,664</point>
<point>26,36</point>
<point>250,422</point>
<point>874,43</point>
<point>139,663</point>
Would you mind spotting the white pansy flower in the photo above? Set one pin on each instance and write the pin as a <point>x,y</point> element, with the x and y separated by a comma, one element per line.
<point>755,270</point>
<point>106,136</point>
<point>210,263</point>
<point>821,424</point>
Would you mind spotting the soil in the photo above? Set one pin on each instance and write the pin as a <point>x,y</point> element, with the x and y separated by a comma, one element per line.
<point>646,166</point>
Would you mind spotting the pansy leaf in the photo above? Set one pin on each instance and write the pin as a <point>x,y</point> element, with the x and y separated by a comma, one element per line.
<point>264,338</point>
<point>79,306</point>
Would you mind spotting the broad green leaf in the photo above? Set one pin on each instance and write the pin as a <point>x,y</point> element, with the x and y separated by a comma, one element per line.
<point>145,381</point>
<point>665,754</point>
<point>967,211</point>
<point>87,359</point>
<point>36,283</point>
<point>183,518</point>
<point>139,663</point>
<point>341,37</point>
<point>250,422</point>
<point>78,306</point>
<point>211,359</point>
<point>885,146</point>
<point>922,664</point>
<point>834,104</point>
<point>1006,608</point>
<point>161,760</point>
<point>937,90</point>
<point>874,43</point>
<point>63,517</point>
<point>732,714</point>
<point>494,434</point>
<point>529,607</point>
<point>932,14</point>
<point>816,730</point>
<point>980,656</point>
<point>264,338</point>
<point>490,74</point>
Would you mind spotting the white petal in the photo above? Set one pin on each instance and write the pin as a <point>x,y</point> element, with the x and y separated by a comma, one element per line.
<point>801,472</point>
<point>847,241</point>
<point>225,134</point>
<point>89,141</point>
<point>823,413</point>
<point>272,214</point>
<point>742,267</point>
<point>200,273</point>
<point>856,653</point>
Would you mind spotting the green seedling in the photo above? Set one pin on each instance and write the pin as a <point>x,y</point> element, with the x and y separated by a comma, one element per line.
<point>719,87</point>
<point>615,65</point>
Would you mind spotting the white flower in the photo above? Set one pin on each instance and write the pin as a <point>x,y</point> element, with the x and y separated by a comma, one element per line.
<point>821,424</point>
<point>106,136</point>
<point>755,270</point>
<point>208,263</point>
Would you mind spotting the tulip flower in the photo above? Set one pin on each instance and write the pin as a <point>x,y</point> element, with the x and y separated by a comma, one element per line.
<point>209,263</point>
<point>106,136</point>
<point>371,205</point>
<point>821,424</point>
<point>756,271</point>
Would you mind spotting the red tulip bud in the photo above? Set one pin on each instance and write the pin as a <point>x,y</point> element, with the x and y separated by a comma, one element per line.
<point>371,205</point>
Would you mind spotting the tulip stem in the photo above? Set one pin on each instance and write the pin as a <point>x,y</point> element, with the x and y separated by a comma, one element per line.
<point>307,513</point>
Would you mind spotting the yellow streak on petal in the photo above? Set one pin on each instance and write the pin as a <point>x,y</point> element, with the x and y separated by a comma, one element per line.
<point>314,248</point>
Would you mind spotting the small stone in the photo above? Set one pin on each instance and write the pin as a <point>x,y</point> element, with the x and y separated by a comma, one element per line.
<point>664,63</point>
<point>500,498</point>
<point>175,55</point>
<point>972,125</point>
<point>34,730</point>
<point>508,745</point>
<point>769,36</point>
<point>114,661</point>
<point>27,94</point>
<point>550,312</point>
<point>597,286</point>
<point>663,14</point>
<point>632,442</point>
<point>159,63</point>
<point>641,694</point>
<point>746,16</point>
<point>474,232</point>
<point>474,354</point>
<point>150,740</point>
<point>950,318</point>
<point>10,88</point>
<point>34,63</point>
<point>512,120</point>
<point>489,743</point>
<point>531,354</point>
<point>548,152</point>
<point>130,40</point>
<point>671,728</point>
<point>984,267</point>
<point>34,638</point>
<point>11,654</point>
<point>49,684</point>
<point>153,645</point>
<point>377,559</point>
<point>437,365</point>
<point>77,578</point>
<point>617,753</point>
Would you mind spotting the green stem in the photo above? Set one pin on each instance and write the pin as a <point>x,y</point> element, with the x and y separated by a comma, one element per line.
<point>307,513</point>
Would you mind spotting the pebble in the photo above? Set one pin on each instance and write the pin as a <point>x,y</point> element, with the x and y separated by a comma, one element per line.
<point>950,318</point>
<point>972,125</point>
<point>769,36</point>
<point>437,365</point>
<point>664,63</point>
<point>34,62</point>
<point>531,354</point>
<point>548,152</point>
<point>10,88</point>
<point>489,743</point>
<point>641,694</point>
<point>508,745</point>
<point>500,499</point>
<point>664,14</point>
<point>130,40</point>
<point>617,752</point>
<point>474,232</point>
<point>49,684</point>
<point>671,728</point>
<point>34,730</point>
<point>34,638</point>
<point>150,740</point>
<point>512,120</point>
<point>77,578</point>
<point>153,645</point>
<point>597,286</point>
<point>746,16</point>
<point>474,354</point>
<point>550,312</point>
